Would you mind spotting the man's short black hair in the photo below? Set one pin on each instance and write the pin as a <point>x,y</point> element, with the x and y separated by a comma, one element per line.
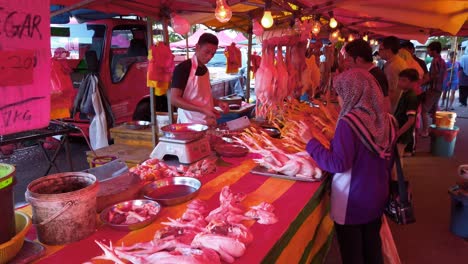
<point>411,74</point>
<point>208,38</point>
<point>407,44</point>
<point>359,48</point>
<point>392,43</point>
<point>436,46</point>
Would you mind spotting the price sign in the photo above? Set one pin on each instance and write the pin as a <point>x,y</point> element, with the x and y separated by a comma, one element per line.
<point>14,64</point>
<point>24,65</point>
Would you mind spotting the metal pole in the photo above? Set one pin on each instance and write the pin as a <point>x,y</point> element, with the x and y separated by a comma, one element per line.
<point>170,111</point>
<point>186,46</point>
<point>249,57</point>
<point>154,124</point>
<point>71,7</point>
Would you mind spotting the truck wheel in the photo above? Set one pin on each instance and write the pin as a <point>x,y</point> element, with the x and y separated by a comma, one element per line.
<point>142,111</point>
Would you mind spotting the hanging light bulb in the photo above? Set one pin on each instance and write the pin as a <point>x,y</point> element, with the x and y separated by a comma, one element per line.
<point>365,38</point>
<point>350,37</point>
<point>371,42</point>
<point>333,23</point>
<point>267,19</point>
<point>223,12</point>
<point>317,25</point>
<point>335,34</point>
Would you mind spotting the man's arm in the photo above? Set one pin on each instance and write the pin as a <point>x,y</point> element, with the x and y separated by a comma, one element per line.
<point>407,125</point>
<point>175,94</point>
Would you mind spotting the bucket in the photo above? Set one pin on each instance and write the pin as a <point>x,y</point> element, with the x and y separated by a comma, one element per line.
<point>443,140</point>
<point>7,208</point>
<point>459,212</point>
<point>444,119</point>
<point>63,206</point>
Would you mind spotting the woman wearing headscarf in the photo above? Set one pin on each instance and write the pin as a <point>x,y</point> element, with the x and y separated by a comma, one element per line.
<point>360,158</point>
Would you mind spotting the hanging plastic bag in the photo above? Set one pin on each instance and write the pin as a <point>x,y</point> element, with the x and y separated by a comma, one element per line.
<point>62,91</point>
<point>160,68</point>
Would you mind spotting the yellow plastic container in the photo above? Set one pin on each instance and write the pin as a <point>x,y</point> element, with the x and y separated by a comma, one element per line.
<point>8,250</point>
<point>444,119</point>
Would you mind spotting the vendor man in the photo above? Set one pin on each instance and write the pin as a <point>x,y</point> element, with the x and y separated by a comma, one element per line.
<point>191,88</point>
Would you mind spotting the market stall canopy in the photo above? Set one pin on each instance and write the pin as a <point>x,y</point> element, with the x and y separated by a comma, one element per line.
<point>192,40</point>
<point>417,19</point>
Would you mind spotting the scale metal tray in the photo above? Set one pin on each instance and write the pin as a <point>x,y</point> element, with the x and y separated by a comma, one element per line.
<point>260,170</point>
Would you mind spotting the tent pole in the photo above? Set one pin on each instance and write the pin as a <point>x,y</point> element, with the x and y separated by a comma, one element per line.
<point>186,46</point>
<point>249,57</point>
<point>71,7</point>
<point>170,109</point>
<point>154,124</point>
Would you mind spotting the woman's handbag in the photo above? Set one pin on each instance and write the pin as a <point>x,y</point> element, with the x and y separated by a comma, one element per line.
<point>400,204</point>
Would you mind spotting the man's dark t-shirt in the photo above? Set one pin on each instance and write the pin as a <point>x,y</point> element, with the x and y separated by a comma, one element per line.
<point>182,72</point>
<point>407,105</point>
<point>379,75</point>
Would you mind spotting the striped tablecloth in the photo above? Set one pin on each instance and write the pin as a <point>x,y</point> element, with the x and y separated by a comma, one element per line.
<point>303,233</point>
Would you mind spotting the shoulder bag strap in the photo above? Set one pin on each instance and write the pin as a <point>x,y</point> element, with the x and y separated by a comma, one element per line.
<point>403,192</point>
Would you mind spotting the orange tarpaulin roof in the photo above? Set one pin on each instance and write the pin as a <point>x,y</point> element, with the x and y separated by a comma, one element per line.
<point>415,19</point>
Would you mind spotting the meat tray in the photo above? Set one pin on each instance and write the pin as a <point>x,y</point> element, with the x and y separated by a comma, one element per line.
<point>260,170</point>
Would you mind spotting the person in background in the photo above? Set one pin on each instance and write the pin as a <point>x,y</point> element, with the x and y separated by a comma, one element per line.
<point>436,78</point>
<point>451,82</point>
<point>388,50</point>
<point>420,94</point>
<point>360,158</point>
<point>463,92</point>
<point>378,60</point>
<point>406,110</point>
<point>191,87</point>
<point>358,53</point>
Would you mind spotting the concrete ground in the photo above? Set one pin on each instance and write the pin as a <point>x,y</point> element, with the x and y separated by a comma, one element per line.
<point>31,164</point>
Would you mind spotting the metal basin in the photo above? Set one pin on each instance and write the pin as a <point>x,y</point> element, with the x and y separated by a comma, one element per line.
<point>137,124</point>
<point>173,190</point>
<point>184,131</point>
<point>127,206</point>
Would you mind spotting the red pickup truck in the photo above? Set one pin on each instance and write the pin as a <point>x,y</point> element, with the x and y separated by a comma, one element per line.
<point>121,53</point>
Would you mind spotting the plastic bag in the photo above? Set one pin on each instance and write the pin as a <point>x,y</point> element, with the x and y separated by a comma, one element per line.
<point>62,91</point>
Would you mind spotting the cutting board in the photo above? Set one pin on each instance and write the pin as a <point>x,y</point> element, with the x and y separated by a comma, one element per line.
<point>260,170</point>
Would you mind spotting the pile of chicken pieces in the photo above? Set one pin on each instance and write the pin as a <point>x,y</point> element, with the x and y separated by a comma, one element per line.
<point>198,236</point>
<point>155,169</point>
<point>287,155</point>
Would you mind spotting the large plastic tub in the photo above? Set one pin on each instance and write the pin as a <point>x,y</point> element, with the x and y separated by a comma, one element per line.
<point>443,140</point>
<point>459,211</point>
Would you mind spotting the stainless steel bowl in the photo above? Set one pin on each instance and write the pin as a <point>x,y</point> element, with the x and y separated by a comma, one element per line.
<point>137,124</point>
<point>184,131</point>
<point>173,190</point>
<point>125,206</point>
<point>231,100</point>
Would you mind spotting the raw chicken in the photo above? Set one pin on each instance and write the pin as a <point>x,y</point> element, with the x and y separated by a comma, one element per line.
<point>228,248</point>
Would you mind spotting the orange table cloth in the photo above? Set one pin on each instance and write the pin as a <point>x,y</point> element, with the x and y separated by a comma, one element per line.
<point>303,233</point>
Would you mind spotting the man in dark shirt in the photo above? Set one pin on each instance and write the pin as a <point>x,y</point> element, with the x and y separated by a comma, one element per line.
<point>359,55</point>
<point>405,112</point>
<point>191,89</point>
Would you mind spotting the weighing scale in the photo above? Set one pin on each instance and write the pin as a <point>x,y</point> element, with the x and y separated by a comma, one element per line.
<point>187,151</point>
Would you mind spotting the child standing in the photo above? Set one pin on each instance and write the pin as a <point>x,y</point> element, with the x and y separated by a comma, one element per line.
<point>407,107</point>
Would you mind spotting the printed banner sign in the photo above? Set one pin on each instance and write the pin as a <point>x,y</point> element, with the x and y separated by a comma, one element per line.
<point>24,65</point>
